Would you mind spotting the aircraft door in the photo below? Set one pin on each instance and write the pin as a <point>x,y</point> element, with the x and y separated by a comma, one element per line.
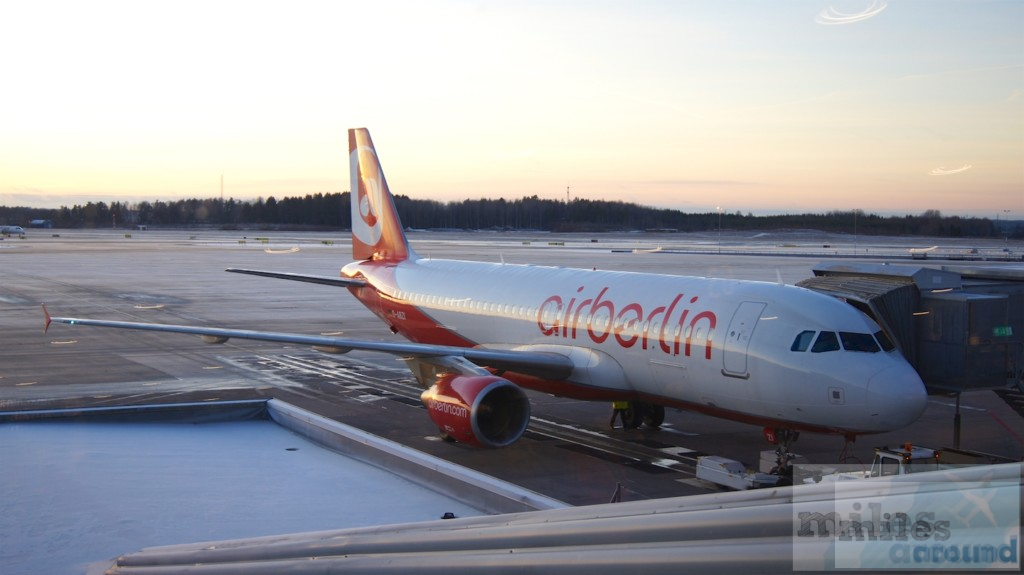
<point>737,338</point>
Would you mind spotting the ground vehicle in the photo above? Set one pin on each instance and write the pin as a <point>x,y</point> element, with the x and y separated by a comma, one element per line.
<point>904,460</point>
<point>887,462</point>
<point>731,473</point>
<point>907,459</point>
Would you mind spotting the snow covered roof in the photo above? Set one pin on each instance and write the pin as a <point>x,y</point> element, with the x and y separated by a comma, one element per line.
<point>83,486</point>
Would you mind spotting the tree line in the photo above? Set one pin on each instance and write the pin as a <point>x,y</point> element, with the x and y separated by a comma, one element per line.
<point>331,211</point>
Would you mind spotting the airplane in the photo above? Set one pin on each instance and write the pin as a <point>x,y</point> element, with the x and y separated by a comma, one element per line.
<point>778,356</point>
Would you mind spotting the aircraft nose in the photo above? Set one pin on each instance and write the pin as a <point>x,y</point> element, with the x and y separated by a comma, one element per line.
<point>896,397</point>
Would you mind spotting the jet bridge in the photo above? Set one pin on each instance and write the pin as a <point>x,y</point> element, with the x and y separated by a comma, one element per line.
<point>962,328</point>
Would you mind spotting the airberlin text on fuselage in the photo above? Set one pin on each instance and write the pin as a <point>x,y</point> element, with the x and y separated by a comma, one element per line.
<point>672,327</point>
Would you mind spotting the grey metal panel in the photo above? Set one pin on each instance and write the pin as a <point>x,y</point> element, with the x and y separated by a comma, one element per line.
<point>1015,274</point>
<point>925,278</point>
<point>962,343</point>
<point>743,532</point>
<point>770,555</point>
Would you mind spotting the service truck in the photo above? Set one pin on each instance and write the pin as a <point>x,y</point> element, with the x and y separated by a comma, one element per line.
<point>909,458</point>
<point>732,474</point>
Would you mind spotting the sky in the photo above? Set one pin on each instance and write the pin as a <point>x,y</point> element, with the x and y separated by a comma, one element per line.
<point>890,107</point>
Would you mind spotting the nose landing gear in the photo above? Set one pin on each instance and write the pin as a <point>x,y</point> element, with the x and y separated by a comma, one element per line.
<point>783,439</point>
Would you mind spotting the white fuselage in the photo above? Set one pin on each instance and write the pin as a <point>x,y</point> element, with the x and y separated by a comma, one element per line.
<point>724,347</point>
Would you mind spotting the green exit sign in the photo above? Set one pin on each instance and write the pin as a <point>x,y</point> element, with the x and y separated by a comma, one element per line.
<point>1002,331</point>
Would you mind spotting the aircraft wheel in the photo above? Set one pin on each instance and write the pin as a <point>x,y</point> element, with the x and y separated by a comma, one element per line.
<point>633,416</point>
<point>446,437</point>
<point>655,416</point>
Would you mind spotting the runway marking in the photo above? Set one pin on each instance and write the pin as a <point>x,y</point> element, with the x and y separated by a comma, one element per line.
<point>570,427</point>
<point>1000,421</point>
<point>154,306</point>
<point>679,432</point>
<point>676,450</point>
<point>269,373</point>
<point>25,383</point>
<point>64,342</point>
<point>669,463</point>
<point>962,406</point>
<point>370,398</point>
<point>214,367</point>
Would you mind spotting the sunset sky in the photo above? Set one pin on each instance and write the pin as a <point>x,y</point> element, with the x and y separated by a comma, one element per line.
<point>766,107</point>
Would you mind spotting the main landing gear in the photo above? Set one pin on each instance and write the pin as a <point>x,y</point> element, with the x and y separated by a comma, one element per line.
<point>639,413</point>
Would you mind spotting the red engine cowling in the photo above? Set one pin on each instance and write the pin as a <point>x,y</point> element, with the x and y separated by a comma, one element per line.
<point>480,410</point>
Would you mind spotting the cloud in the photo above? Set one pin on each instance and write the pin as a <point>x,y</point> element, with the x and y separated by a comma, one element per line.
<point>945,172</point>
<point>698,183</point>
<point>964,71</point>
<point>832,17</point>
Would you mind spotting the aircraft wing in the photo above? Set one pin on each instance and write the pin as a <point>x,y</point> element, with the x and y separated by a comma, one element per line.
<point>539,364</point>
<point>325,280</point>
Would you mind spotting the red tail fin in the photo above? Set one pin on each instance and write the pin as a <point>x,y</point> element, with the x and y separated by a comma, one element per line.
<point>376,230</point>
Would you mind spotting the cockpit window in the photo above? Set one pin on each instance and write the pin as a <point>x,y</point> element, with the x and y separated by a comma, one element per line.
<point>827,341</point>
<point>802,341</point>
<point>851,341</point>
<point>884,341</point>
<point>858,342</point>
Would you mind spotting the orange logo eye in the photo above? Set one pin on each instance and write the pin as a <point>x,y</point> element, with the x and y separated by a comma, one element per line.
<point>366,209</point>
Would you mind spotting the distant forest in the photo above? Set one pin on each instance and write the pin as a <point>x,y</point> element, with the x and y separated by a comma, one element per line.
<point>331,211</point>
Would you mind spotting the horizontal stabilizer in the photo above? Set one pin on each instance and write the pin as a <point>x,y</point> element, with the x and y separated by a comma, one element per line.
<point>325,280</point>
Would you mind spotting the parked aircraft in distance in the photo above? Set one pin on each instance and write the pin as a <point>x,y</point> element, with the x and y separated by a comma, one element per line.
<point>775,355</point>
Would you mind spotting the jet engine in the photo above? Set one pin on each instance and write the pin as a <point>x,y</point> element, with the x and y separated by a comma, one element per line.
<point>479,410</point>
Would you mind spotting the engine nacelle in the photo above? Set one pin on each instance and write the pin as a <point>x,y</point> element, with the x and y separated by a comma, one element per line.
<point>480,410</point>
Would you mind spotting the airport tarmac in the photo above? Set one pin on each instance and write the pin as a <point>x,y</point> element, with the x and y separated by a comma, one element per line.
<point>569,453</point>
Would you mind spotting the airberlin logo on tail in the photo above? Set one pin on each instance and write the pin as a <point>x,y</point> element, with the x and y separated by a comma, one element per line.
<point>367,184</point>
<point>366,208</point>
<point>673,328</point>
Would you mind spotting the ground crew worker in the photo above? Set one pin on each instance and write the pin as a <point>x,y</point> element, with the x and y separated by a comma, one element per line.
<point>619,410</point>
